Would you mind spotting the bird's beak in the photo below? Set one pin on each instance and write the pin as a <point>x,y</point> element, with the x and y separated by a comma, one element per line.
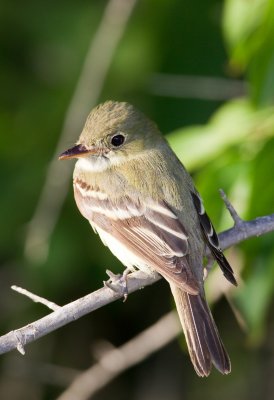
<point>78,151</point>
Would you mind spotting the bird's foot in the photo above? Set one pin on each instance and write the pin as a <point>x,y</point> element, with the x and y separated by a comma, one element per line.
<point>118,282</point>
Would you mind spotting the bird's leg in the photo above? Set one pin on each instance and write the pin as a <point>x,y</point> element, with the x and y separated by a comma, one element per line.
<point>118,282</point>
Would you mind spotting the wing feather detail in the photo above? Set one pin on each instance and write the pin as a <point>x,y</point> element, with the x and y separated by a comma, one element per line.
<point>152,233</point>
<point>212,240</point>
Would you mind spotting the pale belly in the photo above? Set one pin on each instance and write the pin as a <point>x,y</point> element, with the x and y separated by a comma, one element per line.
<point>127,258</point>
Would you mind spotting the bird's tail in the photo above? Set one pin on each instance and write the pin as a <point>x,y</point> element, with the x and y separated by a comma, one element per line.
<point>202,337</point>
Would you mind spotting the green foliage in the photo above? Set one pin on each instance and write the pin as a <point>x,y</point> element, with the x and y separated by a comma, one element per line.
<point>232,125</point>
<point>249,30</point>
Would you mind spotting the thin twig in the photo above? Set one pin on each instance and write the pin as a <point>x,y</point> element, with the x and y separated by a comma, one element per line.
<point>35,298</point>
<point>234,215</point>
<point>137,280</point>
<point>87,92</point>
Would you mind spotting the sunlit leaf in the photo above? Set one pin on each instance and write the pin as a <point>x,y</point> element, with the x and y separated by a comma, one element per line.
<point>231,125</point>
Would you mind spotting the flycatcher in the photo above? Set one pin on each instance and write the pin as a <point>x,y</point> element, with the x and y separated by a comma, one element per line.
<point>142,202</point>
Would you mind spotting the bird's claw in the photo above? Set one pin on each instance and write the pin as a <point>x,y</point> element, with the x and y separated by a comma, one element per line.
<point>118,282</point>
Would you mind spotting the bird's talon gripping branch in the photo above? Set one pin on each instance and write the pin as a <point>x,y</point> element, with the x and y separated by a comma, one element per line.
<point>113,277</point>
<point>118,282</point>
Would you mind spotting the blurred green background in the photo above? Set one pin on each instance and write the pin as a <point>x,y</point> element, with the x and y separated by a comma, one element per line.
<point>204,70</point>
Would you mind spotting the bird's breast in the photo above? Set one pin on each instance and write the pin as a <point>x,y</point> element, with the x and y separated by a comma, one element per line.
<point>92,199</point>
<point>88,197</point>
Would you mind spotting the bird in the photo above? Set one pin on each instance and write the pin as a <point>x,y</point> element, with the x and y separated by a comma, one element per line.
<point>137,195</point>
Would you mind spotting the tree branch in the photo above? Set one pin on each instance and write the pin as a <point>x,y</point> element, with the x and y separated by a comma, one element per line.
<point>136,280</point>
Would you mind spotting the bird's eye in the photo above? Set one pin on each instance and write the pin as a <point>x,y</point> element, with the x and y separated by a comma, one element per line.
<point>117,140</point>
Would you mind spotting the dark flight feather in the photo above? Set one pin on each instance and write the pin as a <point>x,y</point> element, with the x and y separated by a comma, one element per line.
<point>212,240</point>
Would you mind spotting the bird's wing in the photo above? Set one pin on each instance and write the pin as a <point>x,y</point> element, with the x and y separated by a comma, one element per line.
<point>151,232</point>
<point>212,240</point>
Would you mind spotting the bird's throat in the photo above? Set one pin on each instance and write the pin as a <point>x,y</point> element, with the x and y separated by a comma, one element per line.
<point>93,164</point>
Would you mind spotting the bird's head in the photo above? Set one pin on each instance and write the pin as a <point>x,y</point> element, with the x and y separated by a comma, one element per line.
<point>113,133</point>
